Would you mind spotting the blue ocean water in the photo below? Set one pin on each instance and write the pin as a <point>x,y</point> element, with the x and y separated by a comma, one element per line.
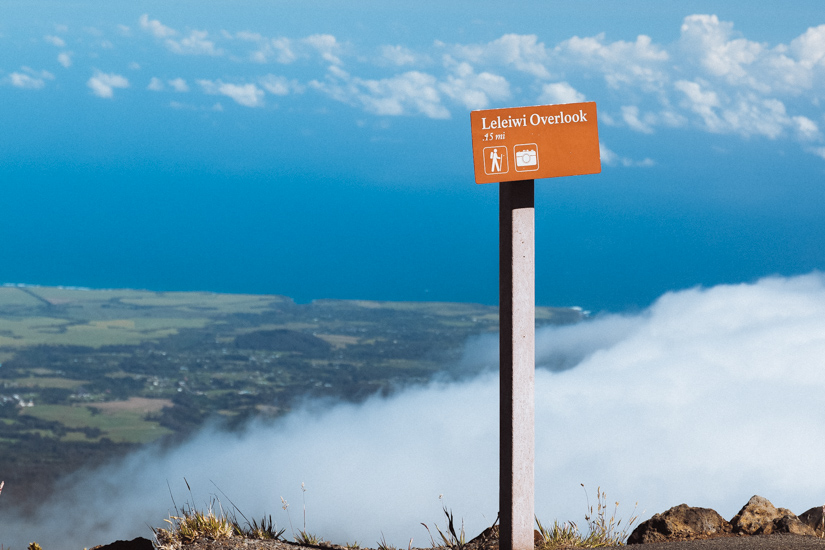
<point>614,247</point>
<point>173,206</point>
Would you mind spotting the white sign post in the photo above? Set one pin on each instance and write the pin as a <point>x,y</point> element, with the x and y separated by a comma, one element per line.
<point>509,146</point>
<point>517,314</point>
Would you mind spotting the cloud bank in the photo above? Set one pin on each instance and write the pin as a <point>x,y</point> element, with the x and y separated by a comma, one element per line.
<point>707,397</point>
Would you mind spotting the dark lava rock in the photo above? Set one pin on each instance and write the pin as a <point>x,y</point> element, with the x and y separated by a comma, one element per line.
<point>681,523</point>
<point>815,519</point>
<point>790,524</point>
<point>139,543</point>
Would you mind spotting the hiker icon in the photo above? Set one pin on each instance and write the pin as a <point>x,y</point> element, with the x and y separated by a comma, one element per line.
<point>495,160</point>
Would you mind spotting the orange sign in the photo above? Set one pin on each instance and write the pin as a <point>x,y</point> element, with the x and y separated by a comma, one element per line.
<point>525,143</point>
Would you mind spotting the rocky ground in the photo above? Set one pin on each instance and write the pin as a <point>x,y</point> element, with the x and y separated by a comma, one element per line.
<point>758,517</point>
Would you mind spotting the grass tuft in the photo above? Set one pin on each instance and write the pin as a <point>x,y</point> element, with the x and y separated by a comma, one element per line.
<point>266,529</point>
<point>307,539</point>
<point>384,545</point>
<point>191,524</point>
<point>565,535</point>
<point>450,538</point>
<point>602,530</point>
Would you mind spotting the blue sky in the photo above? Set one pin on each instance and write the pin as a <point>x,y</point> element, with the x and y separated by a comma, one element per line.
<point>321,150</point>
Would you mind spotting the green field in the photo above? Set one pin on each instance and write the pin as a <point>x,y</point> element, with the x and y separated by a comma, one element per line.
<point>120,427</point>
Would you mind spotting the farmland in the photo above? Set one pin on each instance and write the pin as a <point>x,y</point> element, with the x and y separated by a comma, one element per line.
<point>86,375</point>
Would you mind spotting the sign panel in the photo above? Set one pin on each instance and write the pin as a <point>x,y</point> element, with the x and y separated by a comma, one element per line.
<point>544,141</point>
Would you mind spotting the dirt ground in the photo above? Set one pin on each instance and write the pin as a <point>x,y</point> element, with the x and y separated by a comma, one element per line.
<point>134,404</point>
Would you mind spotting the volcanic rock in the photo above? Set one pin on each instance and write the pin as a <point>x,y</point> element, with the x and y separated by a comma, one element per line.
<point>815,519</point>
<point>792,525</point>
<point>139,543</point>
<point>681,523</point>
<point>759,516</point>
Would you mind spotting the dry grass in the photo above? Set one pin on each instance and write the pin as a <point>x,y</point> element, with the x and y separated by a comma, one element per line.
<point>602,530</point>
<point>191,524</point>
<point>449,538</point>
<point>187,525</point>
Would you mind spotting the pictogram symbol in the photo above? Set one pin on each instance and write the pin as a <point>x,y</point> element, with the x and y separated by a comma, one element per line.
<point>495,160</point>
<point>527,157</point>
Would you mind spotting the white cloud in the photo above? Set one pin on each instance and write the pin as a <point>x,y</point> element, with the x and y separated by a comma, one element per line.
<point>248,95</point>
<point>639,64</point>
<point>263,52</point>
<point>630,114</point>
<point>474,91</point>
<point>560,92</point>
<point>279,85</point>
<point>751,115</point>
<point>326,45</point>
<point>21,80</point>
<point>55,41</point>
<point>197,43</point>
<point>283,50</point>
<point>30,79</point>
<point>712,77</point>
<point>806,128</point>
<point>610,158</point>
<point>400,56</point>
<point>809,48</point>
<point>523,52</point>
<point>412,92</point>
<point>155,84</point>
<point>286,50</point>
<point>720,54</point>
<point>702,102</point>
<point>248,36</point>
<point>746,113</point>
<point>179,85</point>
<point>103,84</point>
<point>724,54</point>
<point>65,59</point>
<point>155,27</point>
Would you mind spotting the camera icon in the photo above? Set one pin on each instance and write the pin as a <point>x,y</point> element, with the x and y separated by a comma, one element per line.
<point>527,158</point>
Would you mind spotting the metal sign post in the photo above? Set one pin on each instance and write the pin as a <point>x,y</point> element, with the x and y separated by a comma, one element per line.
<point>511,146</point>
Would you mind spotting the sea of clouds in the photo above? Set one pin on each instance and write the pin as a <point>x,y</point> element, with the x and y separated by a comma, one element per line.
<point>707,397</point>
